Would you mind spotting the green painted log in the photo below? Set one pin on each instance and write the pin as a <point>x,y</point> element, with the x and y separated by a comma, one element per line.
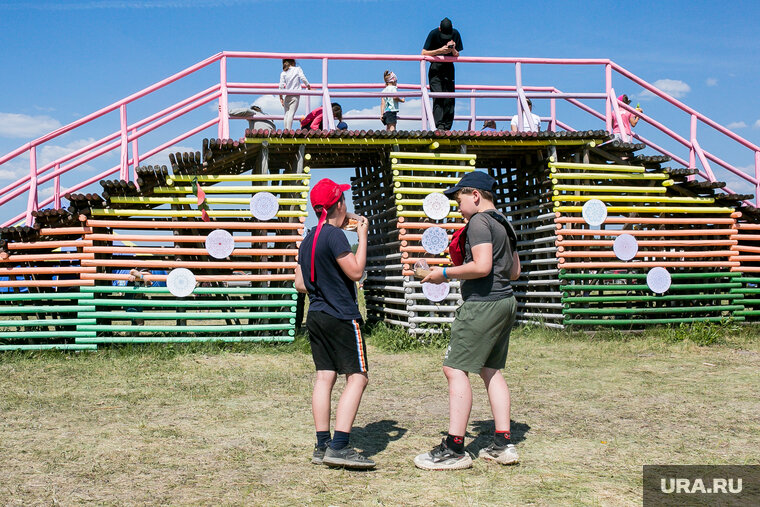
<point>628,322</point>
<point>44,309</point>
<point>43,296</point>
<point>52,346</point>
<point>746,290</point>
<point>629,311</point>
<point>190,315</point>
<point>634,286</point>
<point>564,275</point>
<point>748,313</point>
<point>44,322</point>
<point>198,290</point>
<point>748,279</point>
<point>184,339</point>
<point>751,301</point>
<point>128,328</point>
<point>673,297</point>
<point>192,303</point>
<point>23,335</point>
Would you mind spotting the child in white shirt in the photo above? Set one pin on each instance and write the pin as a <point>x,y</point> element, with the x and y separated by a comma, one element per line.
<point>389,105</point>
<point>291,78</point>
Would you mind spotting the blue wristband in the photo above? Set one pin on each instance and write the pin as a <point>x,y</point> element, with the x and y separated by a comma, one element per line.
<point>444,274</point>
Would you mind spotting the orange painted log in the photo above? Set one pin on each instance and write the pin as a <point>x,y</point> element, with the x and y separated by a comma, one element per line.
<point>745,248</point>
<point>135,263</point>
<point>653,232</point>
<point>53,231</point>
<point>635,265</point>
<point>91,277</point>
<point>48,257</point>
<point>413,237</point>
<point>76,243</point>
<point>747,269</point>
<point>748,227</point>
<point>167,224</point>
<point>190,239</point>
<point>651,253</point>
<point>748,237</point>
<point>644,220</point>
<point>748,258</point>
<point>437,261</point>
<point>647,242</point>
<point>415,249</point>
<point>426,225</point>
<point>168,251</point>
<point>55,270</point>
<point>46,283</point>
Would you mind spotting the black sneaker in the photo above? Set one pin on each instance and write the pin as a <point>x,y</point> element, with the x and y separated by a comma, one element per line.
<point>443,458</point>
<point>319,454</point>
<point>347,458</point>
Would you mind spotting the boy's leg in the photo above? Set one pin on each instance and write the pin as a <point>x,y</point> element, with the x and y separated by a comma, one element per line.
<point>320,399</point>
<point>348,405</point>
<point>460,400</point>
<point>498,397</point>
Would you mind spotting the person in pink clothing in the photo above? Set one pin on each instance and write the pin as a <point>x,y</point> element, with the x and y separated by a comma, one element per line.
<point>313,120</point>
<point>628,119</point>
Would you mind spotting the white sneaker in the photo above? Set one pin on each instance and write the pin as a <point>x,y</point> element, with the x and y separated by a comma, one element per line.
<point>443,458</point>
<point>506,455</point>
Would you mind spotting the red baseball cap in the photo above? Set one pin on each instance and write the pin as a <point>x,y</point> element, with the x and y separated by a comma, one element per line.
<point>324,194</point>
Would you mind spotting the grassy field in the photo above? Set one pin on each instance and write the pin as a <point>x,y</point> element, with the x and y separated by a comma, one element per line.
<point>232,425</point>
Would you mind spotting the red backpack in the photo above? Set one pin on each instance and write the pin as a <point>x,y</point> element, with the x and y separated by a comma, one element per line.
<point>459,238</point>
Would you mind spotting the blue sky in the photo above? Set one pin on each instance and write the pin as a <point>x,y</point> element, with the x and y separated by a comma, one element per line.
<point>65,59</point>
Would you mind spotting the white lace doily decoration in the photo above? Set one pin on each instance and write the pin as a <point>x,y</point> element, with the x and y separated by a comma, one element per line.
<point>436,206</point>
<point>436,291</point>
<point>264,206</point>
<point>658,280</point>
<point>435,240</point>
<point>626,247</point>
<point>219,244</point>
<point>180,282</point>
<point>594,212</point>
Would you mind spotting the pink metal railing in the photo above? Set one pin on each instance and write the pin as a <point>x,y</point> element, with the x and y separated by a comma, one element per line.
<point>130,133</point>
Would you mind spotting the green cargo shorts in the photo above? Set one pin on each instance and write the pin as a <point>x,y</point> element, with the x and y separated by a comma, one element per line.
<point>480,335</point>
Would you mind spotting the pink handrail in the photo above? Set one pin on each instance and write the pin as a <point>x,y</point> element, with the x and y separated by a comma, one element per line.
<point>130,133</point>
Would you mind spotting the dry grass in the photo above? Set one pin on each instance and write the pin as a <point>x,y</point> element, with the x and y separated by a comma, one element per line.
<point>233,425</point>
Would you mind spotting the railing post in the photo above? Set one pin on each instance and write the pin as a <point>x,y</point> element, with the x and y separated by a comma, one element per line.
<point>692,136</point>
<point>518,83</point>
<point>472,113</point>
<point>224,117</point>
<point>757,179</point>
<point>57,189</point>
<point>618,117</point>
<point>135,156</point>
<point>553,109</point>
<point>31,204</point>
<point>124,164</point>
<point>428,123</point>
<point>610,96</point>
<point>327,115</point>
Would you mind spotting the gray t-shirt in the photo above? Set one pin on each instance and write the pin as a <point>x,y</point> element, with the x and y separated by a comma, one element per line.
<point>483,228</point>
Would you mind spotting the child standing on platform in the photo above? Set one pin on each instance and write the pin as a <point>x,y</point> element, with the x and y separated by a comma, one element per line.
<point>480,331</point>
<point>328,271</point>
<point>389,105</point>
<point>291,78</point>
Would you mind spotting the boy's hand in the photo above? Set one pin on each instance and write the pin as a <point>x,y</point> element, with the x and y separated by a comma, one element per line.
<point>435,276</point>
<point>362,226</point>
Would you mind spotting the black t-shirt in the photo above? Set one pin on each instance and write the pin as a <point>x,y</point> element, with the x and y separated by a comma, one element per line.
<point>434,41</point>
<point>332,291</point>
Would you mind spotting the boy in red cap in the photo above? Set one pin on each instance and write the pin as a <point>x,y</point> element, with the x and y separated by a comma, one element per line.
<point>327,270</point>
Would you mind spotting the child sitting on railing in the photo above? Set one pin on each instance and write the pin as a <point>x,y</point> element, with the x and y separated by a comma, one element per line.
<point>389,105</point>
<point>628,119</point>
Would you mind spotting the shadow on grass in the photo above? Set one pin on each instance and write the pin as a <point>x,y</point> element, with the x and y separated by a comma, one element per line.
<point>375,437</point>
<point>485,429</point>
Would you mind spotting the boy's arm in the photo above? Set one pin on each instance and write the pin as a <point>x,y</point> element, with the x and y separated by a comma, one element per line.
<point>515,270</point>
<point>480,266</point>
<point>353,264</point>
<point>300,285</point>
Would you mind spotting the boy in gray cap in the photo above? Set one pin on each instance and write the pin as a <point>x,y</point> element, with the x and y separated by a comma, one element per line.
<point>480,332</point>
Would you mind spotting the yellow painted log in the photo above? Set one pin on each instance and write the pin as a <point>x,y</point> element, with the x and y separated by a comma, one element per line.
<point>415,191</point>
<point>421,214</point>
<point>597,167</point>
<point>650,209</point>
<point>433,156</point>
<point>215,178</point>
<point>239,213</point>
<point>425,179</point>
<point>430,168</point>
<point>235,189</point>
<point>608,176</point>
<point>634,198</point>
<point>194,200</point>
<point>610,188</point>
<point>417,202</point>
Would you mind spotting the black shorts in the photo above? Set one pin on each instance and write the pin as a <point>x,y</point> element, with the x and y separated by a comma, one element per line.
<point>336,345</point>
<point>390,117</point>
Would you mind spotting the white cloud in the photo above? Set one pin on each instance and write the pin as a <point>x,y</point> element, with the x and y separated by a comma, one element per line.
<point>46,154</point>
<point>409,108</point>
<point>24,126</point>
<point>736,125</point>
<point>12,173</point>
<point>757,124</point>
<point>711,81</point>
<point>672,87</point>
